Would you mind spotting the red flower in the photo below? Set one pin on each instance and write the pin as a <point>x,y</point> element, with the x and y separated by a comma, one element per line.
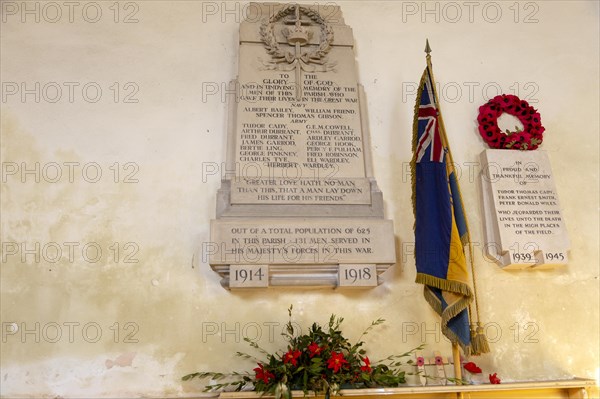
<point>336,361</point>
<point>367,367</point>
<point>494,379</point>
<point>262,374</point>
<point>292,357</point>
<point>314,349</point>
<point>472,368</point>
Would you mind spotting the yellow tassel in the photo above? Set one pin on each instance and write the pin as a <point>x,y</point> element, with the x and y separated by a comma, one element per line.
<point>474,348</point>
<point>479,343</point>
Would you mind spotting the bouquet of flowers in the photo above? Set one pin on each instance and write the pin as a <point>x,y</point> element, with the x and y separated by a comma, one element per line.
<point>322,361</point>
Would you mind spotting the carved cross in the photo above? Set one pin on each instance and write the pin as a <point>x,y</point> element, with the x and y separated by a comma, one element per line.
<point>297,19</point>
<point>299,37</point>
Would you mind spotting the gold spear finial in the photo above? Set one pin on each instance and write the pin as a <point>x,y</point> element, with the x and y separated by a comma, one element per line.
<point>428,51</point>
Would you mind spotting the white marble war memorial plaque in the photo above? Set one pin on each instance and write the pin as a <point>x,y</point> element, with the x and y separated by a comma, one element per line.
<point>299,205</point>
<point>524,225</point>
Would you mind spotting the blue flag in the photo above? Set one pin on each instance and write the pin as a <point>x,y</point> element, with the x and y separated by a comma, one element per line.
<point>440,223</point>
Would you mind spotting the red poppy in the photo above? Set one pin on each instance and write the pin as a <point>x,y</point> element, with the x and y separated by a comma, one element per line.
<point>314,349</point>
<point>472,368</point>
<point>336,361</point>
<point>262,374</point>
<point>367,367</point>
<point>494,379</point>
<point>292,357</point>
<point>420,361</point>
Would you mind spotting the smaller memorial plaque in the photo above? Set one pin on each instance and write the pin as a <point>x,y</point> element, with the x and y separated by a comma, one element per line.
<point>524,226</point>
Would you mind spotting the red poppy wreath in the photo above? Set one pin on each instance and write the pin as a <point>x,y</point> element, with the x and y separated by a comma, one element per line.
<point>527,139</point>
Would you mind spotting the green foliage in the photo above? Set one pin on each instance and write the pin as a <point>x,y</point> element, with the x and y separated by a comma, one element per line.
<point>321,360</point>
<point>516,131</point>
<point>535,141</point>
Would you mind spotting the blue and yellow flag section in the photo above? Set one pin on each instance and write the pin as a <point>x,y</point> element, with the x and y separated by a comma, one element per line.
<point>440,223</point>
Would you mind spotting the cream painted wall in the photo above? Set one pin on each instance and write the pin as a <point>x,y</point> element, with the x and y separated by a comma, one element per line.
<point>159,308</point>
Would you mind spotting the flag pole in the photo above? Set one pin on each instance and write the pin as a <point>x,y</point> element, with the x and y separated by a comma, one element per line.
<point>455,349</point>
<point>436,99</point>
<point>457,368</point>
<point>479,343</point>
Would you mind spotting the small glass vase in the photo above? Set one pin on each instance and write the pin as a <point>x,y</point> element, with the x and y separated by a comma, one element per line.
<point>474,378</point>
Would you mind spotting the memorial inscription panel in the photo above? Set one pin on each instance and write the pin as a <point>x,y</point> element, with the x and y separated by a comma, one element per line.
<point>300,138</point>
<point>524,223</point>
<point>302,199</point>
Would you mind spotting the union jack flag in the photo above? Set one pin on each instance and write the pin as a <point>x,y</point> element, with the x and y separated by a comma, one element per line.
<point>440,222</point>
<point>428,134</point>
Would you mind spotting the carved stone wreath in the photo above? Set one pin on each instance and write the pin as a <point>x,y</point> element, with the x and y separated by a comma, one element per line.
<point>314,55</point>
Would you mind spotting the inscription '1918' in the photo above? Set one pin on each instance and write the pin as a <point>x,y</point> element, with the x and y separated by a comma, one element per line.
<point>357,275</point>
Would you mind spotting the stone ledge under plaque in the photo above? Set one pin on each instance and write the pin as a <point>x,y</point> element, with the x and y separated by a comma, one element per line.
<point>301,276</point>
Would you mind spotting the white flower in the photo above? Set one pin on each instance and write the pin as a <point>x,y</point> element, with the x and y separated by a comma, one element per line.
<point>281,390</point>
<point>335,388</point>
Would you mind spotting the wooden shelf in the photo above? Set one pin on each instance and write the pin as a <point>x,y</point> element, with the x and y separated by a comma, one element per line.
<point>576,388</point>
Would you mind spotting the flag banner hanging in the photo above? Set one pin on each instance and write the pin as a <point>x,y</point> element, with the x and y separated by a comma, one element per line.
<point>440,222</point>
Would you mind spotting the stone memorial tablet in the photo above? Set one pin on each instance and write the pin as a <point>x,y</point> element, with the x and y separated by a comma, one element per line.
<point>299,196</point>
<point>524,226</point>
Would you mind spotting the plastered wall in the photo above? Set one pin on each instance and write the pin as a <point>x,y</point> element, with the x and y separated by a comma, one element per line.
<point>113,140</point>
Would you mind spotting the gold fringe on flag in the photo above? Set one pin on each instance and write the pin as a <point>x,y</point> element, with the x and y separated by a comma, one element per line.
<point>479,343</point>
